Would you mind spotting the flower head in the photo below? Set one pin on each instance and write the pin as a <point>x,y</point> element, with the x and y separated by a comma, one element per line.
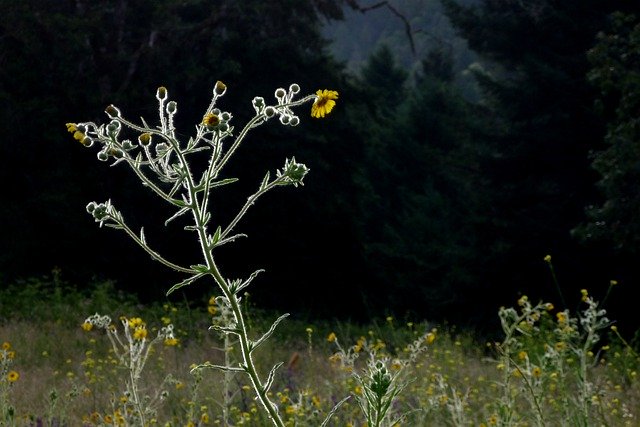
<point>13,376</point>
<point>324,103</point>
<point>140,333</point>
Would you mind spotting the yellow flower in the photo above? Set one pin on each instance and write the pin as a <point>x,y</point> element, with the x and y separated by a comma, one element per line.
<point>562,317</point>
<point>431,337</point>
<point>332,337</point>
<point>13,376</point>
<point>212,310</point>
<point>134,322</point>
<point>536,372</point>
<point>204,418</point>
<point>522,355</point>
<point>87,326</point>
<point>547,258</point>
<point>211,120</point>
<point>613,282</point>
<point>140,333</point>
<point>6,345</point>
<point>324,103</point>
<point>171,342</point>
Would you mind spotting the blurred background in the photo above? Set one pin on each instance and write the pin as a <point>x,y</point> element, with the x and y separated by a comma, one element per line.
<point>471,139</point>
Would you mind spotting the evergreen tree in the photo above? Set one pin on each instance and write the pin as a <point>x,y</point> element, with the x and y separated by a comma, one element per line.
<point>419,202</point>
<point>615,72</point>
<point>545,127</point>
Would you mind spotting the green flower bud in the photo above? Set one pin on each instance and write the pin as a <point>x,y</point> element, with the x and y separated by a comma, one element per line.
<point>284,119</point>
<point>127,145</point>
<point>161,93</point>
<point>112,111</point>
<point>258,102</point>
<point>220,88</point>
<point>223,127</point>
<point>172,107</point>
<point>225,116</point>
<point>144,139</point>
<point>269,111</point>
<point>87,142</point>
<point>161,148</point>
<point>294,88</point>
<point>103,156</point>
<point>280,93</point>
<point>91,207</point>
<point>295,121</point>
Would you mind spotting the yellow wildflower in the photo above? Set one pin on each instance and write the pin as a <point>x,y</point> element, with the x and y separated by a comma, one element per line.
<point>171,342</point>
<point>140,333</point>
<point>87,326</point>
<point>210,120</point>
<point>547,258</point>
<point>134,322</point>
<point>536,372</point>
<point>6,345</point>
<point>431,337</point>
<point>332,337</point>
<point>13,376</point>
<point>324,103</point>
<point>613,282</point>
<point>522,355</point>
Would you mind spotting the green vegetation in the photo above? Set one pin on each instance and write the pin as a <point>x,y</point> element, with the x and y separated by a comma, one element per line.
<point>539,372</point>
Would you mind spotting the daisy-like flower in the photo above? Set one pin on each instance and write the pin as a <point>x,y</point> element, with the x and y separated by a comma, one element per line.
<point>324,103</point>
<point>140,333</point>
<point>13,376</point>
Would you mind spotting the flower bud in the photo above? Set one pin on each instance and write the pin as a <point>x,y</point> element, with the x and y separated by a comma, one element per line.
<point>86,141</point>
<point>280,93</point>
<point>172,107</point>
<point>284,119</point>
<point>161,94</point>
<point>225,116</point>
<point>258,102</point>
<point>91,207</point>
<point>295,121</point>
<point>223,127</point>
<point>102,156</point>
<point>211,121</point>
<point>112,128</point>
<point>161,148</point>
<point>127,145</point>
<point>294,88</point>
<point>144,139</point>
<point>220,88</point>
<point>112,111</point>
<point>269,111</point>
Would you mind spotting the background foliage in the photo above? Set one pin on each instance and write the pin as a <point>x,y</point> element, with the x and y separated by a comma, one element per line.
<point>437,187</point>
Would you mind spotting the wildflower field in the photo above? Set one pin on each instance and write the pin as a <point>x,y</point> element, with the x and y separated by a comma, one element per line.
<point>551,366</point>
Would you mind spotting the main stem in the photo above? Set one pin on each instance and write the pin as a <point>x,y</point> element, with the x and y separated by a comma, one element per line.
<point>249,367</point>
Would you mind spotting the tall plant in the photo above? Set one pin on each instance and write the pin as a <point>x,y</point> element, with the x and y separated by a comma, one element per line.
<point>164,164</point>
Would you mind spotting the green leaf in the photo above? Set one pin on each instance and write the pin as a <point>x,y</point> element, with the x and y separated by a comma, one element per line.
<point>200,268</point>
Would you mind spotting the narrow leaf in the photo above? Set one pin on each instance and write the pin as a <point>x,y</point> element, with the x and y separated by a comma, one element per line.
<point>176,215</point>
<point>265,181</point>
<point>272,374</point>
<point>271,330</point>
<point>185,282</point>
<point>333,411</point>
<point>222,182</point>
<point>208,365</point>
<point>249,280</point>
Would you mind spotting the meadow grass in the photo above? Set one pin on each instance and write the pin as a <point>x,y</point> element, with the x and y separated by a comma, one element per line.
<point>70,376</point>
